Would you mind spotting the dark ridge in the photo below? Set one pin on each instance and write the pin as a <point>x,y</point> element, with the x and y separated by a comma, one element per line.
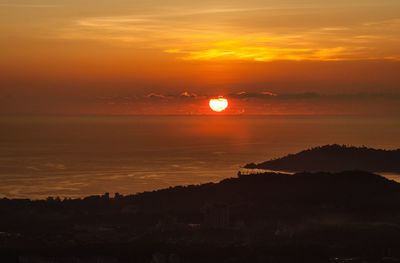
<point>262,196</point>
<point>335,158</point>
<point>305,216</point>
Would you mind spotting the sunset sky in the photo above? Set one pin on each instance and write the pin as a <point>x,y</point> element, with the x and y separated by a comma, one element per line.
<point>170,57</point>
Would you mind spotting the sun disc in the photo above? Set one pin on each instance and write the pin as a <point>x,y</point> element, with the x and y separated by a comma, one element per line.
<point>218,104</point>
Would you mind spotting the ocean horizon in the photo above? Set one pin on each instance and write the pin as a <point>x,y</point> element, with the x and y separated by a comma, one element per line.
<point>76,156</point>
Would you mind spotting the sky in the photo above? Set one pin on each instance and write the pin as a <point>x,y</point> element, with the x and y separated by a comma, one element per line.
<point>170,57</point>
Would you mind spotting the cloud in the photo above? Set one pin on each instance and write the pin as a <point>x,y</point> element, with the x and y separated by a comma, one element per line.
<point>246,95</point>
<point>264,100</point>
<point>243,51</point>
<point>187,94</point>
<point>260,95</point>
<point>269,93</point>
<point>22,5</point>
<point>156,96</point>
<point>55,166</point>
<point>46,166</point>
<point>243,34</point>
<point>266,95</point>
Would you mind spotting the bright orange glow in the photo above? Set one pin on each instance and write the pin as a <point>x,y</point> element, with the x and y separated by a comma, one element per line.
<point>218,104</point>
<point>167,57</point>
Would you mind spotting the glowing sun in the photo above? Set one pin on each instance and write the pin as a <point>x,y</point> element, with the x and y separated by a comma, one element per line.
<point>218,104</point>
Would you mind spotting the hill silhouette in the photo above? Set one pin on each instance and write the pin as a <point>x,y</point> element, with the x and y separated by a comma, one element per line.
<point>334,158</point>
<point>305,217</point>
<point>269,191</point>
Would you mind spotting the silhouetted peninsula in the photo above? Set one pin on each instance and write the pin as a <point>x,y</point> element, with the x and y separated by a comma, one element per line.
<point>334,158</point>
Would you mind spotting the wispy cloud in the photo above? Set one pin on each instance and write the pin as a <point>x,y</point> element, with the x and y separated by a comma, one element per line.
<point>187,94</point>
<point>214,34</point>
<point>259,95</point>
<point>156,96</point>
<point>26,5</point>
<point>266,95</point>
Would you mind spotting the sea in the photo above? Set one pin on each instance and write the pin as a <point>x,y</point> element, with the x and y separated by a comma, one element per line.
<point>71,156</point>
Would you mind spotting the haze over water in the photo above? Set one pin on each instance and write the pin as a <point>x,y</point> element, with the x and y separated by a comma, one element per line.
<point>80,156</point>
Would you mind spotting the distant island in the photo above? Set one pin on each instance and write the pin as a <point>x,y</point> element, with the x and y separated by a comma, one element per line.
<point>307,217</point>
<point>335,158</point>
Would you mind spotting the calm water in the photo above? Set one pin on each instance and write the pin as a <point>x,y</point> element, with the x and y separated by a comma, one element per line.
<point>78,156</point>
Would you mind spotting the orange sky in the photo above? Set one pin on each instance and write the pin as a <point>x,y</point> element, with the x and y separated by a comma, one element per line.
<point>138,57</point>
